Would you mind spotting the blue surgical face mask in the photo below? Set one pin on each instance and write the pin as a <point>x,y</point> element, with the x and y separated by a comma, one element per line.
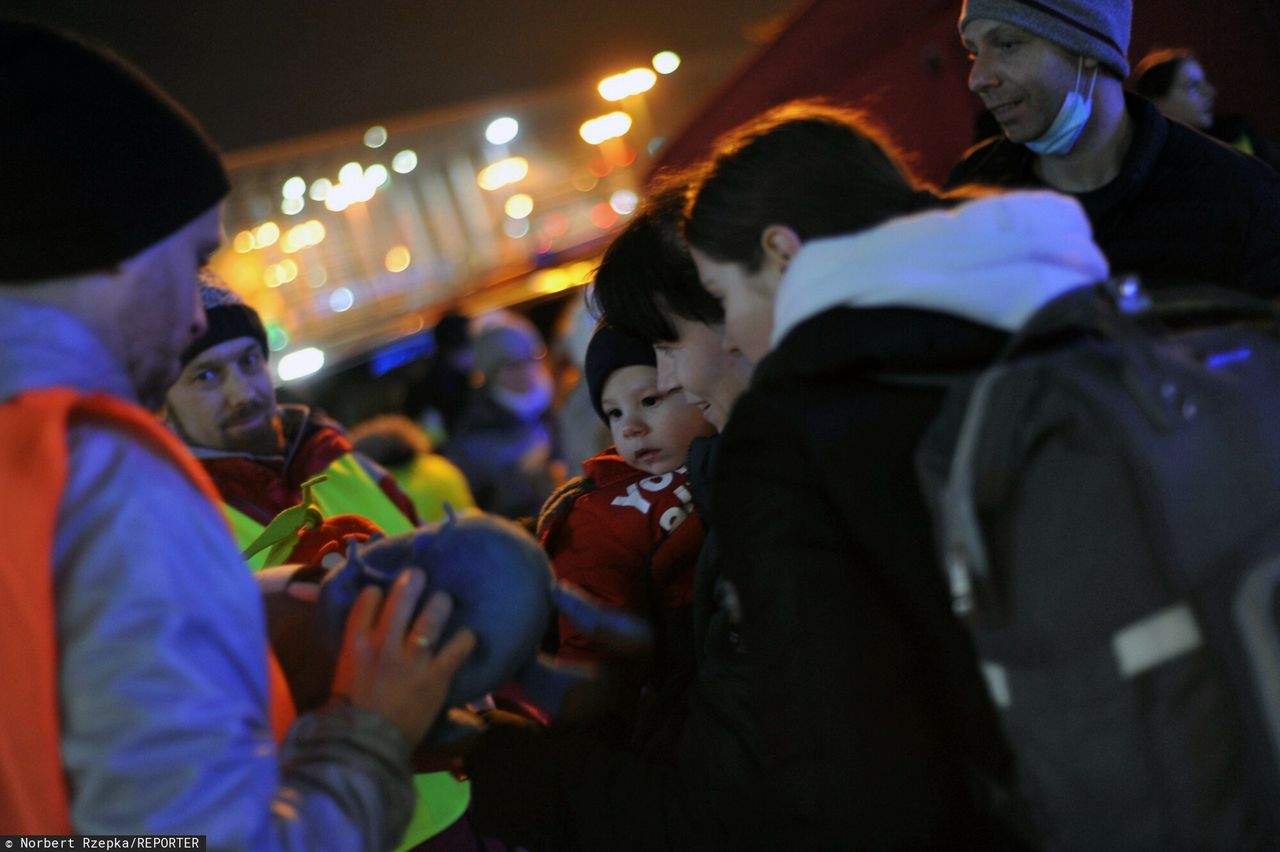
<point>1071,119</point>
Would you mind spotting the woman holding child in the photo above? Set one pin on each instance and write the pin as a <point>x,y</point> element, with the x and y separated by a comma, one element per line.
<point>834,265</point>
<point>837,703</point>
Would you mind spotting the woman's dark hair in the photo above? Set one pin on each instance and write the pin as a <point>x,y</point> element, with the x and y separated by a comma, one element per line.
<point>816,168</point>
<point>646,275</point>
<point>1153,78</point>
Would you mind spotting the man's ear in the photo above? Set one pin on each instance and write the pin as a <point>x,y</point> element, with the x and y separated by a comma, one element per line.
<point>780,244</point>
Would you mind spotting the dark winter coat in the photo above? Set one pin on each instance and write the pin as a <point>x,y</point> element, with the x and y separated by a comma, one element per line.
<point>504,457</point>
<point>875,725</point>
<point>1184,208</point>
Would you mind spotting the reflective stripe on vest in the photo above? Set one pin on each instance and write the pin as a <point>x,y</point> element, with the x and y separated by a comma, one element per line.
<point>33,426</point>
<point>349,490</point>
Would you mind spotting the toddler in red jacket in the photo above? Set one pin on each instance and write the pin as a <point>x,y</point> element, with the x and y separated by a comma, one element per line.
<point>625,532</point>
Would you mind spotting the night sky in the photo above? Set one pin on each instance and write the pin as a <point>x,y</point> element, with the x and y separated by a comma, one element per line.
<point>256,71</point>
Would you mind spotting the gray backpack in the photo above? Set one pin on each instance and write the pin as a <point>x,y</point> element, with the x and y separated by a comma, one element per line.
<point>1107,499</point>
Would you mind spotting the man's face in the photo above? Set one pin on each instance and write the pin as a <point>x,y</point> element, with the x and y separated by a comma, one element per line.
<point>697,363</point>
<point>160,312</point>
<point>1021,78</point>
<point>223,400</point>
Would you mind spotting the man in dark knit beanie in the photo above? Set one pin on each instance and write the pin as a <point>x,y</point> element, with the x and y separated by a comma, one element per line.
<point>1165,202</point>
<point>139,697</point>
<point>259,453</point>
<point>224,398</point>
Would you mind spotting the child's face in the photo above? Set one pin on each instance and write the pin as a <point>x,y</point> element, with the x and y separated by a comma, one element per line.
<point>652,431</point>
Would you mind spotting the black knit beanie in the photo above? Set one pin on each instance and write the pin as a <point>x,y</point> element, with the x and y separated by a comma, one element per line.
<point>228,317</point>
<point>96,163</point>
<point>611,350</point>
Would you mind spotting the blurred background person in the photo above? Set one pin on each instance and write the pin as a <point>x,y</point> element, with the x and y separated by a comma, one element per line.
<point>447,386</point>
<point>582,434</point>
<point>404,449</point>
<point>505,441</point>
<point>1174,80</point>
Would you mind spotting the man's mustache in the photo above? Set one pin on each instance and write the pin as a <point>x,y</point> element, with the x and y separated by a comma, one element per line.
<point>244,413</point>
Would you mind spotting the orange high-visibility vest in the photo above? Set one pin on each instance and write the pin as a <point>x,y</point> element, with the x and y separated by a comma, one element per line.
<point>33,474</point>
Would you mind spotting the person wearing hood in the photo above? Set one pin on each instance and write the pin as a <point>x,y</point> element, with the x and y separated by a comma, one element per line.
<point>834,265</point>
<point>504,442</point>
<point>1165,202</point>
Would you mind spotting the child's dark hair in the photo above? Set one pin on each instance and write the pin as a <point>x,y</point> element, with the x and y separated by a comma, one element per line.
<point>1153,77</point>
<point>819,169</point>
<point>646,275</point>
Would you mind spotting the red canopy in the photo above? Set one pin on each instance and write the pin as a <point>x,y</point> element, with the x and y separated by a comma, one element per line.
<point>903,62</point>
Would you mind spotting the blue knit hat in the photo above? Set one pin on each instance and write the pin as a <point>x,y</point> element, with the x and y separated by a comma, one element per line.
<point>1094,29</point>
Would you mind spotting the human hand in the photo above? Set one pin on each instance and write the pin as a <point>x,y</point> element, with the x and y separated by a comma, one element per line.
<point>393,667</point>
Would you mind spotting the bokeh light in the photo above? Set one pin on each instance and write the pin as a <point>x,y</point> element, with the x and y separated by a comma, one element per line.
<point>666,61</point>
<point>266,234</point>
<point>609,126</point>
<point>623,202</point>
<point>404,162</point>
<point>603,216</point>
<point>341,300</point>
<point>503,173</point>
<point>302,236</point>
<point>626,84</point>
<point>320,189</point>
<point>502,130</point>
<point>397,259</point>
<point>297,365</point>
<point>350,173</point>
<point>277,337</point>
<point>518,206</point>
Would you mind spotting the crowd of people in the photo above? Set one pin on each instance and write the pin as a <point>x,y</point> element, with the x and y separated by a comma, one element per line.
<point>771,336</point>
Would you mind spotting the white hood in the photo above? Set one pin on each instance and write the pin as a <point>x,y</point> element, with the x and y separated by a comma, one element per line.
<point>995,261</point>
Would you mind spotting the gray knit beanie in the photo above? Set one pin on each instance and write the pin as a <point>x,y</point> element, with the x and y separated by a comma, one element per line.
<point>1094,29</point>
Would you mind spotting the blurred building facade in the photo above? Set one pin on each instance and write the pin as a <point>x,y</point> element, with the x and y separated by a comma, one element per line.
<point>352,240</point>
